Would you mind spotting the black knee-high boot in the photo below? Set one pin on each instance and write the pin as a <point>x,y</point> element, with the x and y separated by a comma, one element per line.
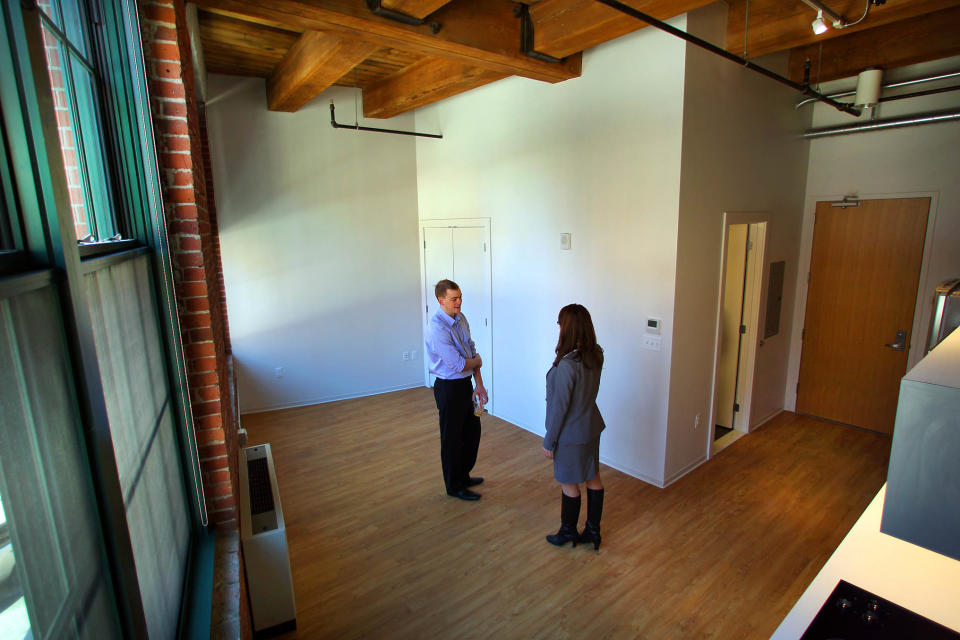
<point>569,514</point>
<point>591,532</point>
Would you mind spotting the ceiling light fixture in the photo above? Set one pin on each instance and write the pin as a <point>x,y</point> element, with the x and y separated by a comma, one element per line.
<point>838,21</point>
<point>819,26</point>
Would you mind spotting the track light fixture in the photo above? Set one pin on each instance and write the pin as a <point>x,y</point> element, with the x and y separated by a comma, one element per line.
<point>819,26</point>
<point>838,21</point>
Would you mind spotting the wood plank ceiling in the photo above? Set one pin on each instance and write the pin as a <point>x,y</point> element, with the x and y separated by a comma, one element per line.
<point>302,47</point>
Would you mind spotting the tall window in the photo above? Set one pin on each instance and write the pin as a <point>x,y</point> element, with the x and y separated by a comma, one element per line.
<point>73,81</point>
<point>94,539</point>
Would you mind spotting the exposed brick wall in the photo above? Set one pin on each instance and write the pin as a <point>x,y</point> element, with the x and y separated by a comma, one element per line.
<point>182,149</point>
<point>214,227</point>
<point>190,212</point>
<point>196,261</point>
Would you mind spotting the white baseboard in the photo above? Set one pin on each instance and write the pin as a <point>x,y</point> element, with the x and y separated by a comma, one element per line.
<point>684,471</point>
<point>326,399</point>
<point>765,420</point>
<point>622,468</point>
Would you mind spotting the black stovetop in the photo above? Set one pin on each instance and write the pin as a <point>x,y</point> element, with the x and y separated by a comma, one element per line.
<point>852,613</point>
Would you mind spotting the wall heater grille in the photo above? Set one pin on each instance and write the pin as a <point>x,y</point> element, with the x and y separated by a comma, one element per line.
<point>264,540</point>
<point>261,493</point>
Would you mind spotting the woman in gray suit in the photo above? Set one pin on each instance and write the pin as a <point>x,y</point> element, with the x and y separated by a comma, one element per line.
<point>574,424</point>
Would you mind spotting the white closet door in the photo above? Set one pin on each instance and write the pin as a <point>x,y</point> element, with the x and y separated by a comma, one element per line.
<point>471,270</point>
<point>462,254</point>
<point>437,265</point>
<point>437,262</point>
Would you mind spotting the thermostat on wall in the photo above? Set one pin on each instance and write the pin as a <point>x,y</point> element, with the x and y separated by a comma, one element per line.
<point>653,325</point>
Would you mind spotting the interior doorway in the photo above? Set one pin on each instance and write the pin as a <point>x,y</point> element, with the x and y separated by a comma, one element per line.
<point>861,301</point>
<point>459,250</point>
<point>738,329</point>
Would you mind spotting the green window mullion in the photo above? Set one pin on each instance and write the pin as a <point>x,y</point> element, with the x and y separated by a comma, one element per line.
<point>11,231</point>
<point>66,41</point>
<point>27,151</point>
<point>83,104</point>
<point>118,99</point>
<point>97,179</point>
<point>76,129</point>
<point>124,16</point>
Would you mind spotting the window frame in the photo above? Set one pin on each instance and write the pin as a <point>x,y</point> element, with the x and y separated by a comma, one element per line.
<point>100,222</point>
<point>45,246</point>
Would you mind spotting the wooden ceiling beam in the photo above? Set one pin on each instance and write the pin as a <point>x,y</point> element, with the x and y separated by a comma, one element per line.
<point>777,25</point>
<point>314,63</point>
<point>927,37</point>
<point>484,34</point>
<point>240,48</point>
<point>427,81</point>
<point>562,27</point>
<point>416,8</point>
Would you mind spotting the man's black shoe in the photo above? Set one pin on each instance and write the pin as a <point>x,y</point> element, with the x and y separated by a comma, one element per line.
<point>465,494</point>
<point>474,481</point>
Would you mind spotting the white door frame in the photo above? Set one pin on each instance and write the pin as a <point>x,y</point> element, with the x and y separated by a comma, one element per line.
<point>753,295</point>
<point>447,223</point>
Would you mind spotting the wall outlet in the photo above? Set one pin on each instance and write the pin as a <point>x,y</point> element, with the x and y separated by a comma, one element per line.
<point>406,355</point>
<point>278,371</point>
<point>651,343</point>
<point>696,421</point>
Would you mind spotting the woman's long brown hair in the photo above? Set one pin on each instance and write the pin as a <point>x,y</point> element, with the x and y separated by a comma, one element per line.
<point>576,333</point>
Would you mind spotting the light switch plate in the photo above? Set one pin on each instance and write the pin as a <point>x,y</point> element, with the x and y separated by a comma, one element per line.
<point>564,240</point>
<point>651,343</point>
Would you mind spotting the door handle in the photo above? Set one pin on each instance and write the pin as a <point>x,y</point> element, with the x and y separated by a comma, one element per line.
<point>900,342</point>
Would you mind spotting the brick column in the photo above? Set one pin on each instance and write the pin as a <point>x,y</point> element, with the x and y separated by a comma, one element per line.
<point>191,226</point>
<point>187,182</point>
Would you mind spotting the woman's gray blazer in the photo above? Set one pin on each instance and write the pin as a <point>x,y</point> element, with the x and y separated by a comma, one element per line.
<point>572,413</point>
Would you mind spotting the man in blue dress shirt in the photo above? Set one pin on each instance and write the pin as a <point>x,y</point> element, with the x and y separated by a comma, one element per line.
<point>453,359</point>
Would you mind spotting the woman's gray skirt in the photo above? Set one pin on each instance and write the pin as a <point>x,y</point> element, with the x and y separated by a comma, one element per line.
<point>576,463</point>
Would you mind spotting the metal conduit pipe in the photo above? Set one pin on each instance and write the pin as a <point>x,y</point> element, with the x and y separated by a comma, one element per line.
<point>892,85</point>
<point>683,35</point>
<point>357,127</point>
<point>883,124</point>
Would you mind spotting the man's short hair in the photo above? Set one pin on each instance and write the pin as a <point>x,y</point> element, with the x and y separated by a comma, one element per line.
<point>443,286</point>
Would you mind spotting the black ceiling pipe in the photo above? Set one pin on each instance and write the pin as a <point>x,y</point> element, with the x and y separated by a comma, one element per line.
<point>376,7</point>
<point>663,26</point>
<point>357,127</point>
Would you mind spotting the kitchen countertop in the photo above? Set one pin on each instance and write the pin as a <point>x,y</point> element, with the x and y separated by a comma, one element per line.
<point>920,580</point>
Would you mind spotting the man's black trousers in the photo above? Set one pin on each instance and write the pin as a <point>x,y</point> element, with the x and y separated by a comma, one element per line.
<point>459,431</point>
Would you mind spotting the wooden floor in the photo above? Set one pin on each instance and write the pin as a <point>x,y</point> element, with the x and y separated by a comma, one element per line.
<point>379,551</point>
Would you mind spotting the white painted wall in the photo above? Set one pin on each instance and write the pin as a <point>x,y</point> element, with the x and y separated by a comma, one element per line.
<point>318,232</point>
<point>637,159</point>
<point>597,157</point>
<point>915,161</point>
<point>741,153</point>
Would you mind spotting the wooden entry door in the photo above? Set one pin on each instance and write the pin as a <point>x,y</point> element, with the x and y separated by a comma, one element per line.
<point>863,291</point>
